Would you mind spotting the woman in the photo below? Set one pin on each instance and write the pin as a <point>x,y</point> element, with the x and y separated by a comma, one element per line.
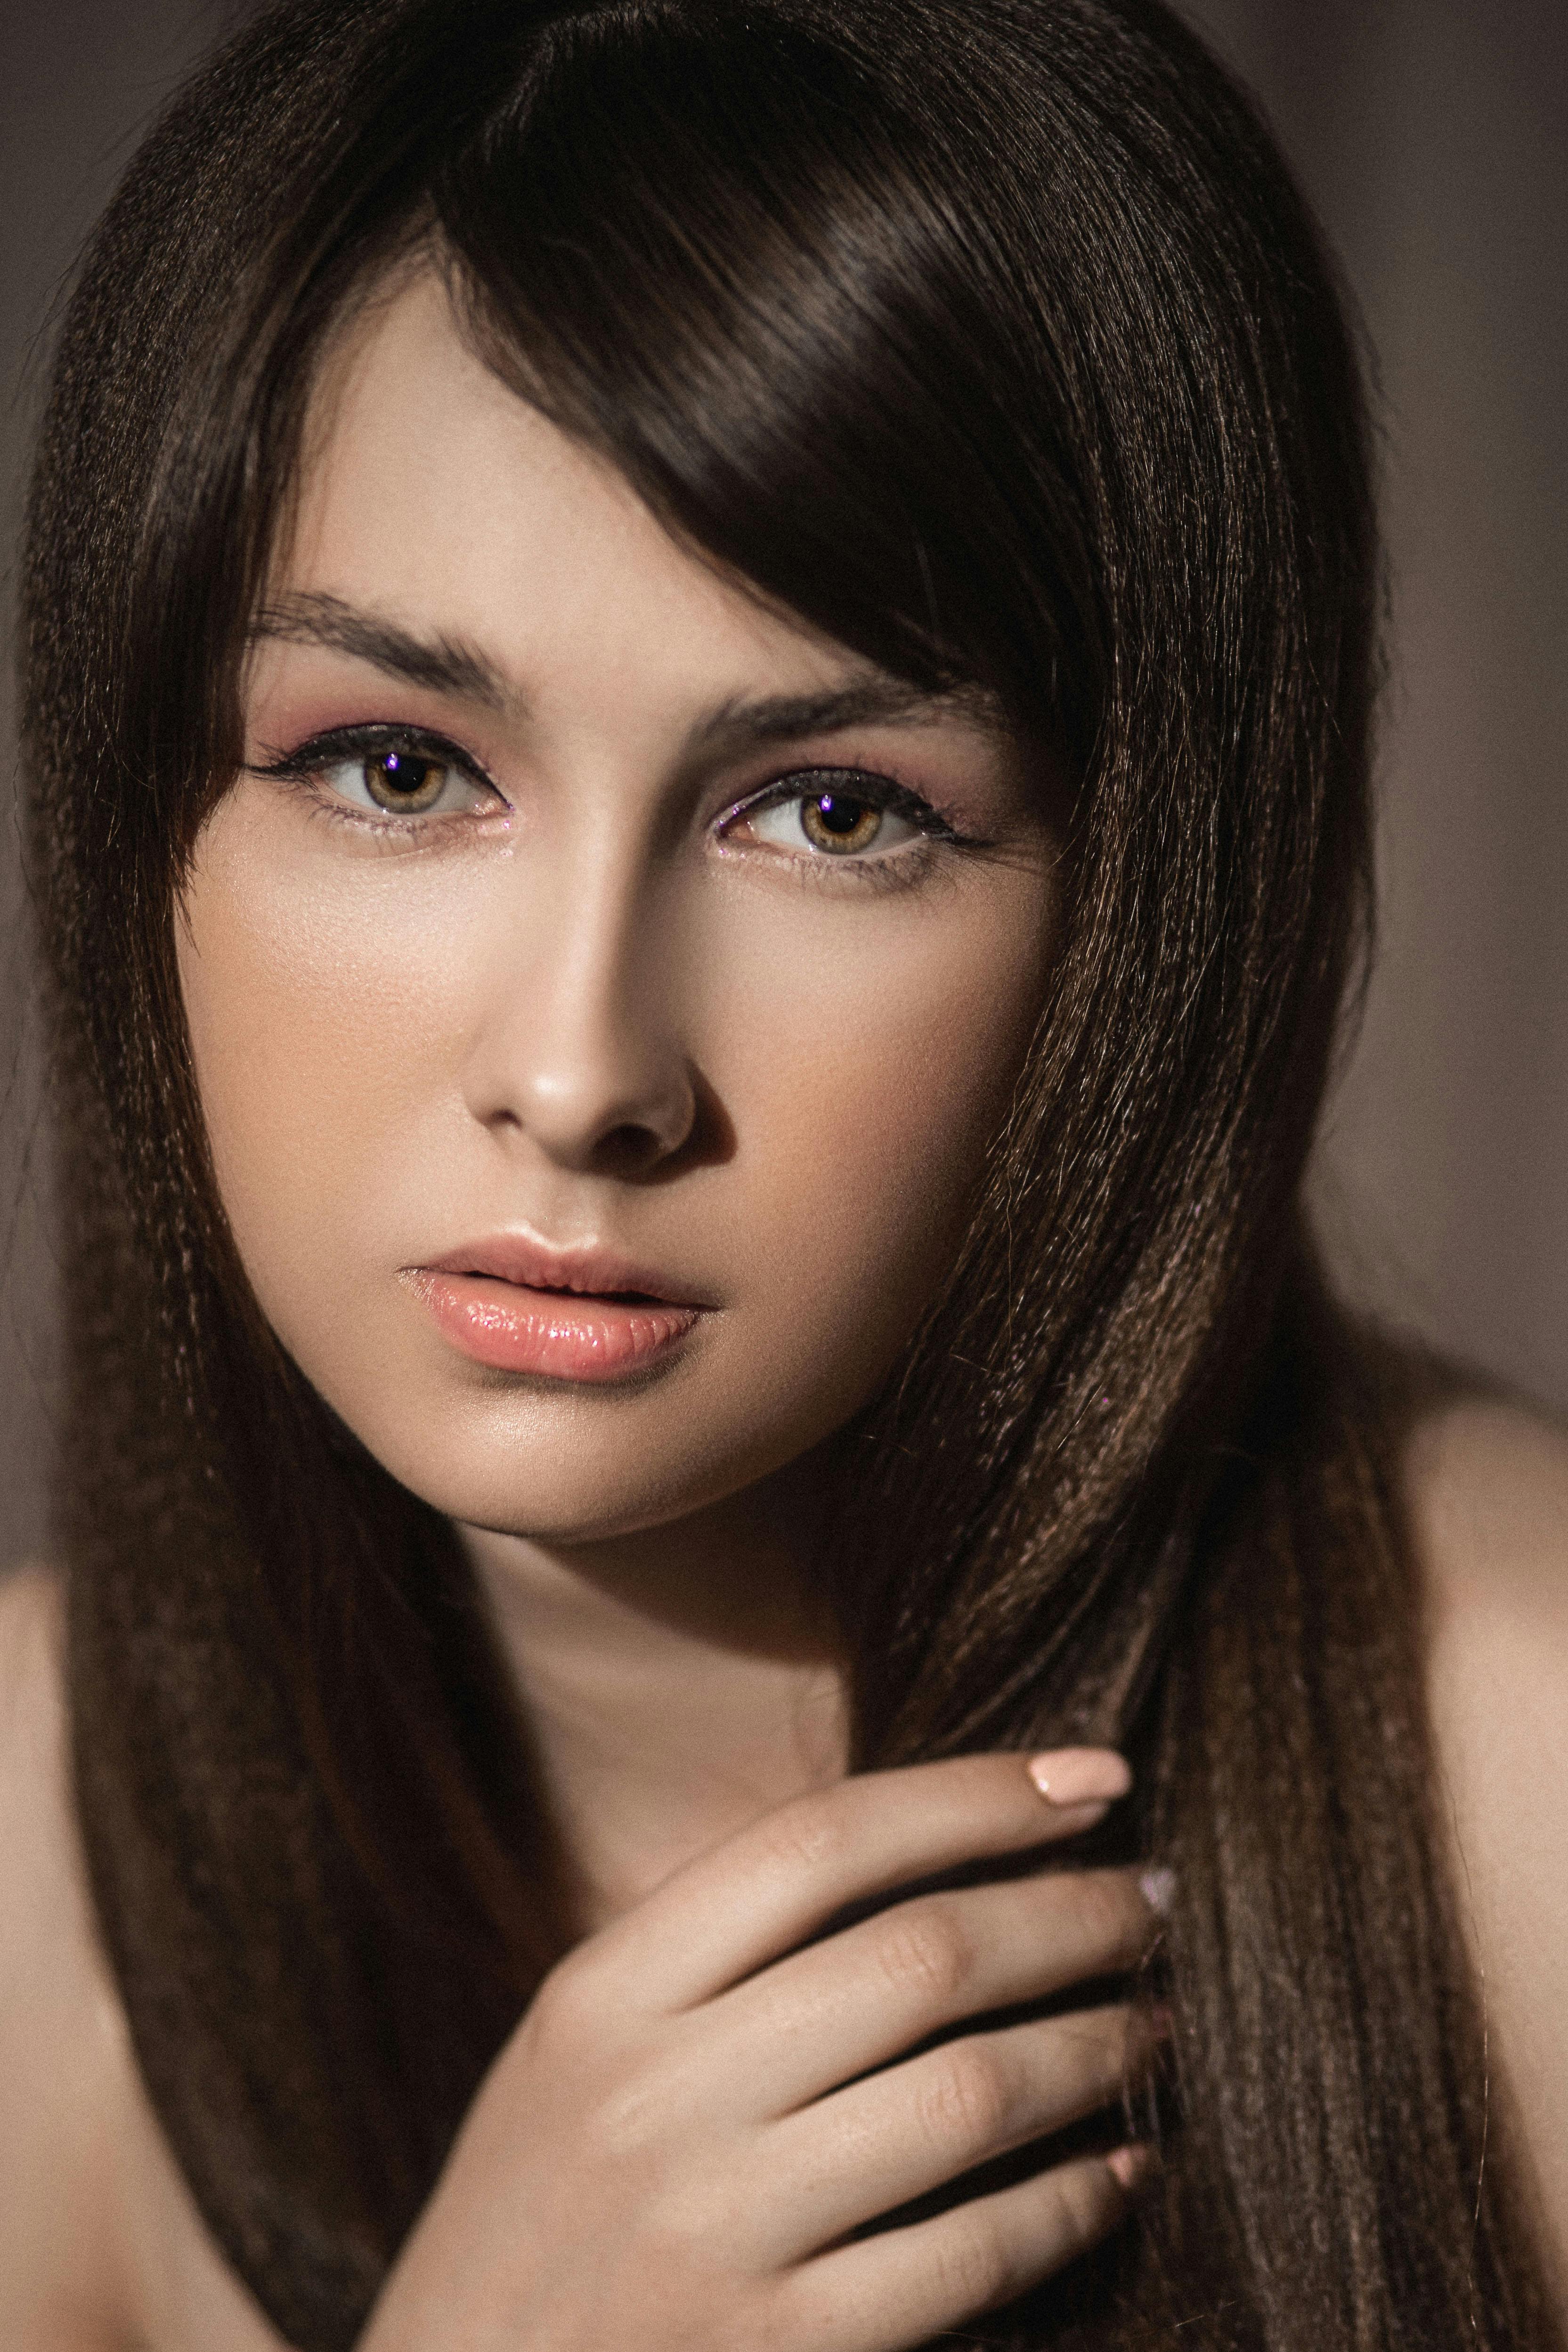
<point>698,685</point>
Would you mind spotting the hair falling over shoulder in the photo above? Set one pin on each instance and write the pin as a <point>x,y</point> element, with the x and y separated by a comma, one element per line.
<point>990,337</point>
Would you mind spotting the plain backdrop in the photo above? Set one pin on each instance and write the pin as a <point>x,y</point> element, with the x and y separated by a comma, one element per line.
<point>1432,136</point>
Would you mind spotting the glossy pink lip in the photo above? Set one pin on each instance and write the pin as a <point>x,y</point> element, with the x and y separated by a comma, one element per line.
<point>521,1306</point>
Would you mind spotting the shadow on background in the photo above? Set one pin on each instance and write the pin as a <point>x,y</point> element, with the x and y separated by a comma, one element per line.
<point>1432,136</point>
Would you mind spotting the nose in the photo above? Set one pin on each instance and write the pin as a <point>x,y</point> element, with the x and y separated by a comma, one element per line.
<point>578,1050</point>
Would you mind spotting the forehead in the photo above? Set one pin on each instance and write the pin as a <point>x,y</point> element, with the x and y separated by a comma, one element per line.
<point>432,494</point>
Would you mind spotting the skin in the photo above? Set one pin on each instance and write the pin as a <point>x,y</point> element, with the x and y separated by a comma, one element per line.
<point>595,1008</point>
<point>1488,1488</point>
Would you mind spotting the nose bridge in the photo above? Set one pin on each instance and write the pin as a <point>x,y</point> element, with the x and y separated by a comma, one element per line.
<point>580,1039</point>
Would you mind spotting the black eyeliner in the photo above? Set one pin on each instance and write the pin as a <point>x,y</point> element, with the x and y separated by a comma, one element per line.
<point>857,784</point>
<point>362,738</point>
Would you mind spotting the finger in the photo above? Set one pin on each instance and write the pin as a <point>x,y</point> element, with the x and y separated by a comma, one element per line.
<point>764,1891</point>
<point>889,2293</point>
<point>911,2128</point>
<point>866,1995</point>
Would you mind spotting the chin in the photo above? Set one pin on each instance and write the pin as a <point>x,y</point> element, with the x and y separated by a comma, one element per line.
<point>586,1482</point>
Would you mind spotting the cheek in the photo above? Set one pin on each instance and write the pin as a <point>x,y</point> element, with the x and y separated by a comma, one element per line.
<point>871,1081</point>
<point>862,1055</point>
<point>318,1018</point>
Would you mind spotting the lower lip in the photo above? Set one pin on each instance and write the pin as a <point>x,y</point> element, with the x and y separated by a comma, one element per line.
<point>560,1333</point>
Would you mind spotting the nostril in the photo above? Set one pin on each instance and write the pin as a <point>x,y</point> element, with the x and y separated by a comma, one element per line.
<point>628,1149</point>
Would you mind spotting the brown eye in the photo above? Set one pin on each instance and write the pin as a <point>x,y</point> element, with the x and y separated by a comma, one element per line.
<point>846,819</point>
<point>403,782</point>
<point>839,824</point>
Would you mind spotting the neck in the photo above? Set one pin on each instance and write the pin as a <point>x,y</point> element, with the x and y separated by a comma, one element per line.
<point>677,1681</point>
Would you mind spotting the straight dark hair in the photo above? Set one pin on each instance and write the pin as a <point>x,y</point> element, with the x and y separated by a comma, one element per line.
<point>990,337</point>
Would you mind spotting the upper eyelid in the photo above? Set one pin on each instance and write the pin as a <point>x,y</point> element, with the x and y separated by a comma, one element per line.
<point>365,734</point>
<point>795,783</point>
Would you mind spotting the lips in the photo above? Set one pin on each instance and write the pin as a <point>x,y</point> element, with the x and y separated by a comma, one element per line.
<point>518,1305</point>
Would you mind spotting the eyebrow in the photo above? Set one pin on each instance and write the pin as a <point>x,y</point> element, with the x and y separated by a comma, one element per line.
<point>445,666</point>
<point>871,700</point>
<point>442,664</point>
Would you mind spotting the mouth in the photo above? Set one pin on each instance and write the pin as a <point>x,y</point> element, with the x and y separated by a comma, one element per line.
<point>515,1304</point>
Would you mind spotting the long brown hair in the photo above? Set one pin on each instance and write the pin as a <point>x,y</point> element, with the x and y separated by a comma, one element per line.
<point>990,337</point>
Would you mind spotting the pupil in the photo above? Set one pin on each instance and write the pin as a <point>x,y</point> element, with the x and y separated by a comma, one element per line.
<point>839,815</point>
<point>402,774</point>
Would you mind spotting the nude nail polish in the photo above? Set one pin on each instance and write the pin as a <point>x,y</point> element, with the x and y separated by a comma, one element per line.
<point>1158,1888</point>
<point>1130,2165</point>
<point>1080,1776</point>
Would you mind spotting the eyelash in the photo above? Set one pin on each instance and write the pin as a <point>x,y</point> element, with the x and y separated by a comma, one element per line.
<point>305,765</point>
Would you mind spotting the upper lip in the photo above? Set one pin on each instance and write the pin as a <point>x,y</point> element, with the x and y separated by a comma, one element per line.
<point>586,1267</point>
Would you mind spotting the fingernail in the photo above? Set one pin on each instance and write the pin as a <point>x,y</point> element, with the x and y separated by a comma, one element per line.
<point>1130,2165</point>
<point>1158,1888</point>
<point>1080,1776</point>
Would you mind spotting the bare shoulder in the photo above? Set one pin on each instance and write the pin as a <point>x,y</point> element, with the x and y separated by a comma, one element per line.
<point>1488,1500</point>
<point>56,2020</point>
<point>101,2246</point>
<point>1488,1487</point>
<point>34,1845</point>
<point>1488,1483</point>
<point>42,1918</point>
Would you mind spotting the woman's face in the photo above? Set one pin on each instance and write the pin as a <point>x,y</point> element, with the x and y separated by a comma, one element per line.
<point>601,990</point>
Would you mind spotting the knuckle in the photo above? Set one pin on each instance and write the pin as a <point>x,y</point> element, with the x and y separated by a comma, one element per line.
<point>804,1835</point>
<point>975,2269</point>
<point>626,2120</point>
<point>965,2104</point>
<point>922,1948</point>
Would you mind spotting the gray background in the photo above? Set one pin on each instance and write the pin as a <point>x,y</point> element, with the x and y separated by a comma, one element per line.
<point>1432,135</point>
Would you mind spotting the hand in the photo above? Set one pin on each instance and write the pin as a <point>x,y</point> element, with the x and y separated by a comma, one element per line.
<point>671,2150</point>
